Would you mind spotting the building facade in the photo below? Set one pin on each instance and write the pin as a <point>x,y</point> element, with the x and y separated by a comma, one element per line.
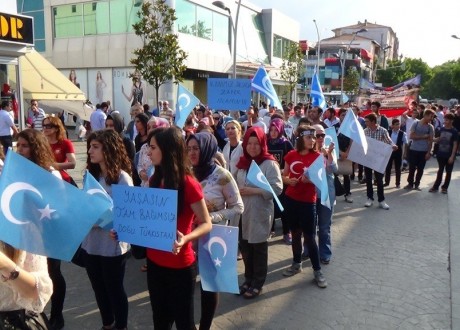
<point>92,43</point>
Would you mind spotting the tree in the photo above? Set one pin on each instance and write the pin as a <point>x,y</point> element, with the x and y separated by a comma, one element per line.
<point>160,59</point>
<point>351,81</point>
<point>292,68</point>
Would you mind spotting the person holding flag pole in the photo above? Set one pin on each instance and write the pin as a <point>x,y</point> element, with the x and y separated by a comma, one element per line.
<point>257,218</point>
<point>300,203</point>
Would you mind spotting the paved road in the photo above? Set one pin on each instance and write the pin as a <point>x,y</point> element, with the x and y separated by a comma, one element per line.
<point>390,270</point>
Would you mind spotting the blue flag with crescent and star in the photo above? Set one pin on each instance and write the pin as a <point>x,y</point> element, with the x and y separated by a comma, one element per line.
<point>317,96</point>
<point>331,136</point>
<point>41,213</point>
<point>261,83</point>
<point>316,173</point>
<point>217,259</point>
<point>257,178</point>
<point>351,127</point>
<point>101,200</point>
<point>186,101</point>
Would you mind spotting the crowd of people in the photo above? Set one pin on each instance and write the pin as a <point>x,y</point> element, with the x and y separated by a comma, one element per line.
<point>207,161</point>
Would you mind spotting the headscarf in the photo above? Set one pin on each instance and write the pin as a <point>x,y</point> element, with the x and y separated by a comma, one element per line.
<point>118,122</point>
<point>208,148</point>
<point>161,122</point>
<point>279,125</point>
<point>245,161</point>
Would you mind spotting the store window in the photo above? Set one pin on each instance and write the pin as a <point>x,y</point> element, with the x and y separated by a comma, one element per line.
<point>201,22</point>
<point>68,23</point>
<point>95,18</point>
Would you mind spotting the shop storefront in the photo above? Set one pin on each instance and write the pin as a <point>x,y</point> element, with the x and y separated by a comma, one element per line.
<point>16,34</point>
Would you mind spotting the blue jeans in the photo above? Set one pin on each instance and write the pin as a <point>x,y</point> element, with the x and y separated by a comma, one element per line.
<point>324,230</point>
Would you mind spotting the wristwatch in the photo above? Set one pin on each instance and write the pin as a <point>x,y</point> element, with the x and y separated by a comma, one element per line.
<point>13,275</point>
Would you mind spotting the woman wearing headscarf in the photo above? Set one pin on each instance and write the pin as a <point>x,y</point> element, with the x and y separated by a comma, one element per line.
<point>279,146</point>
<point>257,217</point>
<point>115,121</point>
<point>233,150</point>
<point>222,199</point>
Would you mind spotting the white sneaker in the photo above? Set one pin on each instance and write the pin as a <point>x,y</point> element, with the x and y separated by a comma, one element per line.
<point>384,205</point>
<point>348,199</point>
<point>369,203</point>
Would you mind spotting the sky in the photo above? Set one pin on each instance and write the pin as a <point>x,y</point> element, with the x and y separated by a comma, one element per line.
<point>424,28</point>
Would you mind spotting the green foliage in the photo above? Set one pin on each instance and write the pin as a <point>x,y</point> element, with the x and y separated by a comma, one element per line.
<point>351,81</point>
<point>160,59</point>
<point>292,68</point>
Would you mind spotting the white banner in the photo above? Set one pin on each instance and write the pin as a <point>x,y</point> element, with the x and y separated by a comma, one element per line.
<point>378,154</point>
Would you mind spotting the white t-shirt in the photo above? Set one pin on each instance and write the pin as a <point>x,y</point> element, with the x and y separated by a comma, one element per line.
<point>5,123</point>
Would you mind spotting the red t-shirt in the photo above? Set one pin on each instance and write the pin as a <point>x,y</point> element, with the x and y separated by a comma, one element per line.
<point>60,151</point>
<point>192,193</point>
<point>302,192</point>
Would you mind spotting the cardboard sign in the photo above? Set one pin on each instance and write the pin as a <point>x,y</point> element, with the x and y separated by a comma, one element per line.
<point>229,94</point>
<point>145,216</point>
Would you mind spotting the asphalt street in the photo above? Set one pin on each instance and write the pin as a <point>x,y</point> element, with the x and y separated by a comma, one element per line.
<point>391,269</point>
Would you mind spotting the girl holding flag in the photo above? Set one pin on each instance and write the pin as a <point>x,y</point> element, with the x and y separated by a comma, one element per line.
<point>24,280</point>
<point>300,202</point>
<point>108,163</point>
<point>257,218</point>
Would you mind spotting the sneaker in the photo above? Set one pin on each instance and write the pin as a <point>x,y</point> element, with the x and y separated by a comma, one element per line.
<point>417,188</point>
<point>320,279</point>
<point>386,184</point>
<point>444,190</point>
<point>384,205</point>
<point>408,187</point>
<point>325,261</point>
<point>433,189</point>
<point>369,203</point>
<point>348,199</point>
<point>287,239</point>
<point>362,181</point>
<point>398,186</point>
<point>295,268</point>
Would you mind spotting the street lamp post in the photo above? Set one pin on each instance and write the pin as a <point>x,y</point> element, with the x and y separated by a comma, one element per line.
<point>318,46</point>
<point>222,5</point>
<point>385,55</point>
<point>343,57</point>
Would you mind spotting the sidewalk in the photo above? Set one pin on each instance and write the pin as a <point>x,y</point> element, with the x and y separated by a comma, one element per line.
<point>390,270</point>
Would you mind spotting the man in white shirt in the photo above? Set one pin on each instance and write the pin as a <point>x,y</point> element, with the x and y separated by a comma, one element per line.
<point>7,127</point>
<point>98,117</point>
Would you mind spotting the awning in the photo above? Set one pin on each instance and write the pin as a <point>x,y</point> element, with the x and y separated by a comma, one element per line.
<point>42,81</point>
<point>77,108</point>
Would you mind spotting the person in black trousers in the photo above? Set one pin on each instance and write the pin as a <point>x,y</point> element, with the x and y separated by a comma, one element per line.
<point>399,138</point>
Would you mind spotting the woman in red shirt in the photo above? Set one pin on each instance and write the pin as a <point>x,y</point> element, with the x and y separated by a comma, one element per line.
<point>63,150</point>
<point>300,202</point>
<point>171,276</point>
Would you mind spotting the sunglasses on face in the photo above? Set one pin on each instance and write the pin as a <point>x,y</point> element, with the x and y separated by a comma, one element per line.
<point>48,126</point>
<point>320,136</point>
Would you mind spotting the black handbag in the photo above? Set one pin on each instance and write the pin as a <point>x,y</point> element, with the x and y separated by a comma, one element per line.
<point>79,258</point>
<point>339,190</point>
<point>23,320</point>
<point>138,252</point>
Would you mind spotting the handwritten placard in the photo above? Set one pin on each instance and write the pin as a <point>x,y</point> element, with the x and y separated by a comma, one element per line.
<point>378,154</point>
<point>145,216</point>
<point>229,94</point>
